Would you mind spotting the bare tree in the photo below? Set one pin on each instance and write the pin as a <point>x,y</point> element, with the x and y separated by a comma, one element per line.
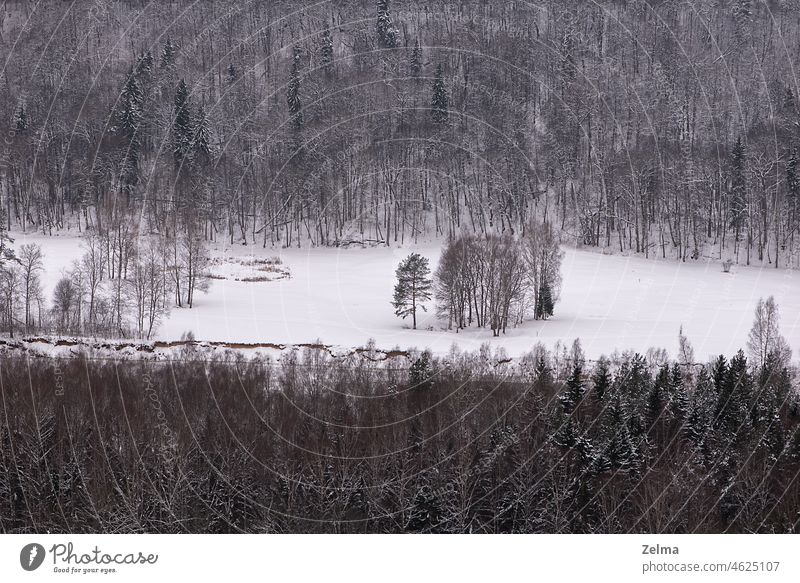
<point>11,281</point>
<point>765,339</point>
<point>65,296</point>
<point>30,259</point>
<point>145,289</point>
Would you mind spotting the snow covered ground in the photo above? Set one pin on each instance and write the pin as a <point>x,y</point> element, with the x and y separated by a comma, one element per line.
<point>342,297</point>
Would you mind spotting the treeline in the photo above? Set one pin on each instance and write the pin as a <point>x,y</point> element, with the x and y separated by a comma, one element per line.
<point>121,286</point>
<point>461,444</point>
<point>660,128</point>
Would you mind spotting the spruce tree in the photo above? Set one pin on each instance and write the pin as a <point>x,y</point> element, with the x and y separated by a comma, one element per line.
<point>387,33</point>
<point>201,144</point>
<point>439,99</point>
<point>738,189</point>
<point>573,393</point>
<point>415,61</point>
<point>129,119</point>
<point>413,287</point>
<point>601,380</point>
<point>326,51</point>
<point>293,94</point>
<point>168,55</point>
<point>420,374</point>
<point>130,110</point>
<point>21,119</point>
<point>544,301</point>
<point>182,125</point>
<point>792,189</point>
<point>679,399</point>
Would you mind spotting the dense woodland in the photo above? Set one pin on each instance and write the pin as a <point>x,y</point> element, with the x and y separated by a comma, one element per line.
<point>664,128</point>
<point>552,444</point>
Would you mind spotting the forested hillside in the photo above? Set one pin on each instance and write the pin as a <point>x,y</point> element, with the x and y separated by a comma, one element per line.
<point>456,445</point>
<point>664,128</point>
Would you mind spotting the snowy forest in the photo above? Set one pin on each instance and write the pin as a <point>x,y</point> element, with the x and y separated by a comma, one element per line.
<point>447,445</point>
<point>667,129</point>
<point>363,266</point>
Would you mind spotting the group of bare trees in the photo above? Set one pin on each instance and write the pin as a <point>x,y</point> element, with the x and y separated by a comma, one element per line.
<point>120,286</point>
<point>315,127</point>
<point>494,280</point>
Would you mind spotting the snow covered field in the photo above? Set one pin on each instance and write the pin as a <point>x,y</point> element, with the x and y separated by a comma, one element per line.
<point>342,297</point>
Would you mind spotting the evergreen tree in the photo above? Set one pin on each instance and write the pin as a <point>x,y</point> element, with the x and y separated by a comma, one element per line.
<point>656,396</point>
<point>326,51</point>
<point>567,434</point>
<point>719,372</point>
<point>144,65</point>
<point>201,144</point>
<point>601,380</point>
<point>543,374</point>
<point>413,287</point>
<point>792,189</point>
<point>129,119</point>
<point>679,400</point>
<point>573,393</point>
<point>733,400</point>
<point>130,111</point>
<point>387,33</point>
<point>420,374</point>
<point>293,94</point>
<point>168,55</point>
<point>544,301</point>
<point>425,514</point>
<point>738,189</point>
<point>439,100</point>
<point>415,61</point>
<point>182,126</point>
<point>232,75</point>
<point>21,119</point>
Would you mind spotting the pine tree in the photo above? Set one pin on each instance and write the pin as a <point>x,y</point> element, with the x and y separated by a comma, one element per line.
<point>326,51</point>
<point>387,33</point>
<point>439,100</point>
<point>413,287</point>
<point>293,94</point>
